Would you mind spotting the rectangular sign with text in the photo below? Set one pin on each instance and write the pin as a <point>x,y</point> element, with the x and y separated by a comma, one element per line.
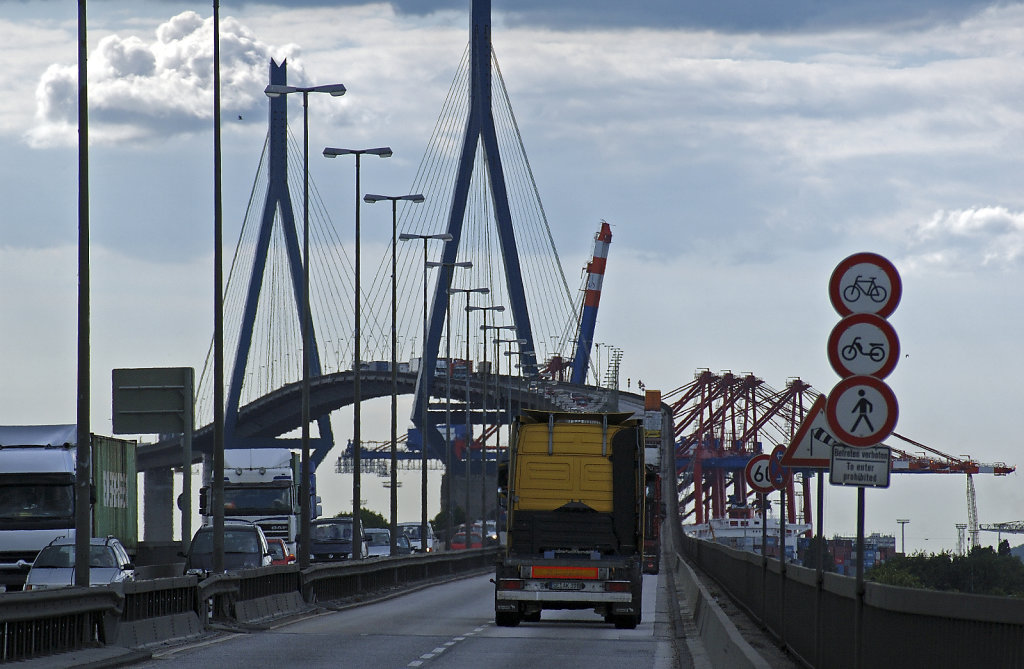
<point>864,467</point>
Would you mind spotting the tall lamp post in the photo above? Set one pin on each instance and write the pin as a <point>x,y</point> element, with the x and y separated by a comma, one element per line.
<point>418,197</point>
<point>425,388</point>
<point>483,429</point>
<point>273,91</point>
<point>497,390</point>
<point>903,536</point>
<point>508,397</point>
<point>469,424</point>
<point>448,393</point>
<point>357,531</point>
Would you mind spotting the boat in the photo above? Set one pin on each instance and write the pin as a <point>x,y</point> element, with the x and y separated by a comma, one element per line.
<point>742,529</point>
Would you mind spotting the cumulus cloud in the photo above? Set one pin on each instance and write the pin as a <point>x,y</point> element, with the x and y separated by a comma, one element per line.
<point>141,90</point>
<point>967,239</point>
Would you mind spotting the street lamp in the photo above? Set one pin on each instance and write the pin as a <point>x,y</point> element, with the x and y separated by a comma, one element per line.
<point>903,537</point>
<point>508,396</point>
<point>469,424</point>
<point>497,387</point>
<point>394,352</point>
<point>357,532</point>
<point>448,392</point>
<point>425,390</point>
<point>483,429</point>
<point>274,91</point>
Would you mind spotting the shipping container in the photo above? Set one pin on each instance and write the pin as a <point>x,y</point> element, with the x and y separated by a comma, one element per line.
<point>115,481</point>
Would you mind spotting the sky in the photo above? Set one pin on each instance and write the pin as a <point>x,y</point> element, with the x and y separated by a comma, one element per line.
<point>739,150</point>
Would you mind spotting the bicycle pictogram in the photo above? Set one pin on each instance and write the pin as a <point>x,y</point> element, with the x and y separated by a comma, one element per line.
<point>875,350</point>
<point>866,287</point>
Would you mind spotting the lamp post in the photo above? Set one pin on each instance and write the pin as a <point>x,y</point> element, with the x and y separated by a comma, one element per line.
<point>448,392</point>
<point>273,91</point>
<point>483,429</point>
<point>369,198</point>
<point>469,424</point>
<point>903,536</point>
<point>357,532</point>
<point>508,399</point>
<point>425,388</point>
<point>497,392</point>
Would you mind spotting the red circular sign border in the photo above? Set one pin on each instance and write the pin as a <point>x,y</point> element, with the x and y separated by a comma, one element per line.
<point>887,427</point>
<point>746,474</point>
<point>835,355</point>
<point>895,283</point>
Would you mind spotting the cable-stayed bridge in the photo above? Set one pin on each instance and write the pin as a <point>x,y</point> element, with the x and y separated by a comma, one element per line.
<point>479,190</point>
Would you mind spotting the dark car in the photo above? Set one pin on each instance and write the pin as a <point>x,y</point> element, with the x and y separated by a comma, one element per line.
<point>332,540</point>
<point>245,547</point>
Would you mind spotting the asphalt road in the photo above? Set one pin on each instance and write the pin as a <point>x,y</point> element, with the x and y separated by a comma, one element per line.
<point>447,626</point>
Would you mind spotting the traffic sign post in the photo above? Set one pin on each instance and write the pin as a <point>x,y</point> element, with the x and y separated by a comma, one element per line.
<point>861,410</point>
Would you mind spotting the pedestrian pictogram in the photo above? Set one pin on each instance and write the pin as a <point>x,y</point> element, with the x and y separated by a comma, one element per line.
<point>862,411</point>
<point>756,473</point>
<point>865,283</point>
<point>863,344</point>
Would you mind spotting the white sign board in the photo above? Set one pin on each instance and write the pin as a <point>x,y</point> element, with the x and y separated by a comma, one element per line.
<point>862,467</point>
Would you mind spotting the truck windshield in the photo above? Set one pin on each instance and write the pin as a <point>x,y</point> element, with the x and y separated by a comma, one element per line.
<point>239,501</point>
<point>31,501</point>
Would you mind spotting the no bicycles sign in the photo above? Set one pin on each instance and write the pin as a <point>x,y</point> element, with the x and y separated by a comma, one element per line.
<point>865,283</point>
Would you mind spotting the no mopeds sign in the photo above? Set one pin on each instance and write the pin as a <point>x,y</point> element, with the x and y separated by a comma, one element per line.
<point>863,345</point>
<point>862,411</point>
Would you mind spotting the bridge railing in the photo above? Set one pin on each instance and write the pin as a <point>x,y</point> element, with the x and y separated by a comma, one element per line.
<point>905,627</point>
<point>139,613</point>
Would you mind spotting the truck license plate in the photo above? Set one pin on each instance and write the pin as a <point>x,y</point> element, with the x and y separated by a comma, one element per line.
<point>565,585</point>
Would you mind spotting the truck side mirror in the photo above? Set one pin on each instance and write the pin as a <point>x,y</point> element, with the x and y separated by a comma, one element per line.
<point>204,502</point>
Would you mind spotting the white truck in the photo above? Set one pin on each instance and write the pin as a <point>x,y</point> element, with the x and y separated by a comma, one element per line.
<point>262,486</point>
<point>37,495</point>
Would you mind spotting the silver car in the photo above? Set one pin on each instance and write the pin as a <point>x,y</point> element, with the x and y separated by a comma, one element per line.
<point>54,567</point>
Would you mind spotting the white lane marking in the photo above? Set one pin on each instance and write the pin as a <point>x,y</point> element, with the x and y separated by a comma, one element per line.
<point>447,644</point>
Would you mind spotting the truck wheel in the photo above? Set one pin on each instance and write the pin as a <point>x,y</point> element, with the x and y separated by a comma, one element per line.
<point>506,619</point>
<point>626,622</point>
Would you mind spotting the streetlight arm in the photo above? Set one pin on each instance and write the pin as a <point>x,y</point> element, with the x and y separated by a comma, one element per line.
<point>383,152</point>
<point>277,90</point>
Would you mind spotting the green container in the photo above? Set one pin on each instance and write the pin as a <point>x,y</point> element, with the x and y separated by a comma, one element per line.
<point>115,480</point>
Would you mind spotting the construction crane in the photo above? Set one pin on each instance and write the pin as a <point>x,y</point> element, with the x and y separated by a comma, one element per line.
<point>722,420</point>
<point>947,464</point>
<point>1011,527</point>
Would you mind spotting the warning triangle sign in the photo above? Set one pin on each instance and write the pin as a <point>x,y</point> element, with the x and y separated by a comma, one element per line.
<point>812,444</point>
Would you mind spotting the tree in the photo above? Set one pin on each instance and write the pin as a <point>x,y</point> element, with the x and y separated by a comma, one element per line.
<point>367,518</point>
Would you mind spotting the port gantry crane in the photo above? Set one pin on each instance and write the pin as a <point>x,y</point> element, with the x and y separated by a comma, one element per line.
<point>723,420</point>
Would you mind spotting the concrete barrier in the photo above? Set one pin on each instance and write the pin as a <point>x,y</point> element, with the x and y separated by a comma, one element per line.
<point>723,644</point>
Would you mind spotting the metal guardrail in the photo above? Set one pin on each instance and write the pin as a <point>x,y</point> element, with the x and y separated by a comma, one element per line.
<point>903,627</point>
<point>46,622</point>
<point>51,621</point>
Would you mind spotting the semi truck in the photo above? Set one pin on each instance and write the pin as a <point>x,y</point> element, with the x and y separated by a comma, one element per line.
<point>260,485</point>
<point>37,493</point>
<point>572,492</point>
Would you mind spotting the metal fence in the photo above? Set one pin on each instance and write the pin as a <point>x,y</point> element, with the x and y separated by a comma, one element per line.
<point>903,627</point>
<point>47,622</point>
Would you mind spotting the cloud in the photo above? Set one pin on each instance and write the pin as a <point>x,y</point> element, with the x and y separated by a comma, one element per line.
<point>142,90</point>
<point>966,239</point>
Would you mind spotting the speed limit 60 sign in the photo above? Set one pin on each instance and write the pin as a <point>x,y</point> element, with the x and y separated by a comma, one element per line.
<point>756,473</point>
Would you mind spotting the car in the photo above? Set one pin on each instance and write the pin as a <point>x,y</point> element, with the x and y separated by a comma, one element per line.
<point>412,530</point>
<point>459,540</point>
<point>245,547</point>
<point>279,552</point>
<point>54,566</point>
<point>378,542</point>
<point>331,540</point>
